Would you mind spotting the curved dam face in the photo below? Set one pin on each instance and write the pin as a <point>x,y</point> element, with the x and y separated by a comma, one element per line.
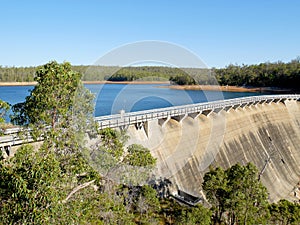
<point>267,135</point>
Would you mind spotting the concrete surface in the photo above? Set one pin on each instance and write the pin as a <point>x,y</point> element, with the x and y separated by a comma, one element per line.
<point>266,134</point>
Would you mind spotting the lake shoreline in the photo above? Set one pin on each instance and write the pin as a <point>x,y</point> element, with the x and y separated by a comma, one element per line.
<point>176,87</point>
<point>228,88</point>
<point>17,83</point>
<point>87,82</point>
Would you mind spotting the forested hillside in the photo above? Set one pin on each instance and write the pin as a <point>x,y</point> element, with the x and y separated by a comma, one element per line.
<point>277,74</point>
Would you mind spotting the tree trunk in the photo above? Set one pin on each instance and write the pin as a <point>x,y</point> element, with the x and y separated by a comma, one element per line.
<point>54,118</point>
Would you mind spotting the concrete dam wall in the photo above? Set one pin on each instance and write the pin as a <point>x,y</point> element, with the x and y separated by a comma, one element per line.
<point>266,134</point>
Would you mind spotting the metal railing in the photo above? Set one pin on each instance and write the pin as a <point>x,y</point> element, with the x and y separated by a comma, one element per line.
<point>118,120</point>
<point>11,137</point>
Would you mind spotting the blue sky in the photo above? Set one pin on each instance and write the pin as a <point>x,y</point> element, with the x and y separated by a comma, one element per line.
<point>220,32</point>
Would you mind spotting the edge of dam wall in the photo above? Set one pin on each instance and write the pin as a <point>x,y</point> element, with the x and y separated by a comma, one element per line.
<point>267,135</point>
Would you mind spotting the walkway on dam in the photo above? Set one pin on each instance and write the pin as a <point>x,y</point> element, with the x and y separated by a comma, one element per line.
<point>180,112</point>
<point>139,119</point>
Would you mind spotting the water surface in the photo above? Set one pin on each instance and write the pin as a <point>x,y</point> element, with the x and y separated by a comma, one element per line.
<point>111,98</point>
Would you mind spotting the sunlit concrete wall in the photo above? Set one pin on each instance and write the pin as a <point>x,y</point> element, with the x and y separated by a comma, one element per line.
<point>266,134</point>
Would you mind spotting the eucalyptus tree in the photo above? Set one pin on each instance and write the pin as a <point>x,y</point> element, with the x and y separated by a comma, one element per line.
<point>44,183</point>
<point>59,108</point>
<point>236,195</point>
<point>216,191</point>
<point>50,102</point>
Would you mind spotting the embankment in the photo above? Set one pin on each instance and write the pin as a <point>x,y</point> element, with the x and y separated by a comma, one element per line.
<point>266,134</point>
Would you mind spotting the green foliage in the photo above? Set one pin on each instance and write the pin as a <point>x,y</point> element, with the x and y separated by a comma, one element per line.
<point>180,76</point>
<point>238,193</point>
<point>4,107</point>
<point>112,143</point>
<point>279,74</point>
<point>55,184</point>
<point>34,186</point>
<point>216,191</point>
<point>248,197</point>
<point>183,79</point>
<point>138,155</point>
<point>110,159</point>
<point>106,155</point>
<point>28,188</point>
<point>147,73</point>
<point>147,205</point>
<point>17,74</point>
<point>51,100</point>
<point>285,212</point>
<point>194,215</point>
<point>150,196</point>
<point>59,109</point>
<point>114,73</point>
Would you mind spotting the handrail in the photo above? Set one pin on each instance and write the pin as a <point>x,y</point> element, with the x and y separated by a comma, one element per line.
<point>147,115</point>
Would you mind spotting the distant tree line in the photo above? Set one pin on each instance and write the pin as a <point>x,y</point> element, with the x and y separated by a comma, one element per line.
<point>17,74</point>
<point>278,74</point>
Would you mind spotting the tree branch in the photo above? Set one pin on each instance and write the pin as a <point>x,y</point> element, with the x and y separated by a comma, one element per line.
<point>77,189</point>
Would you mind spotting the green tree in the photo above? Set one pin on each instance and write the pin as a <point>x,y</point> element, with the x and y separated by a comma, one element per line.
<point>277,74</point>
<point>238,193</point>
<point>51,100</point>
<point>112,142</point>
<point>60,110</point>
<point>28,187</point>
<point>35,189</point>
<point>4,107</point>
<point>148,204</point>
<point>216,191</point>
<point>138,155</point>
<point>194,215</point>
<point>108,156</point>
<point>247,203</point>
<point>285,212</point>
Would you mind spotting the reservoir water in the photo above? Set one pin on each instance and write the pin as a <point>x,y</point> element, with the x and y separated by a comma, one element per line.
<point>111,98</point>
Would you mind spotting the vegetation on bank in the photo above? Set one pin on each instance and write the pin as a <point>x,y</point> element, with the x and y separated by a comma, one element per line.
<point>69,181</point>
<point>4,107</point>
<point>277,74</point>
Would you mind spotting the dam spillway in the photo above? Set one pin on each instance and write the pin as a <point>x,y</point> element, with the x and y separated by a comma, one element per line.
<point>264,133</point>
